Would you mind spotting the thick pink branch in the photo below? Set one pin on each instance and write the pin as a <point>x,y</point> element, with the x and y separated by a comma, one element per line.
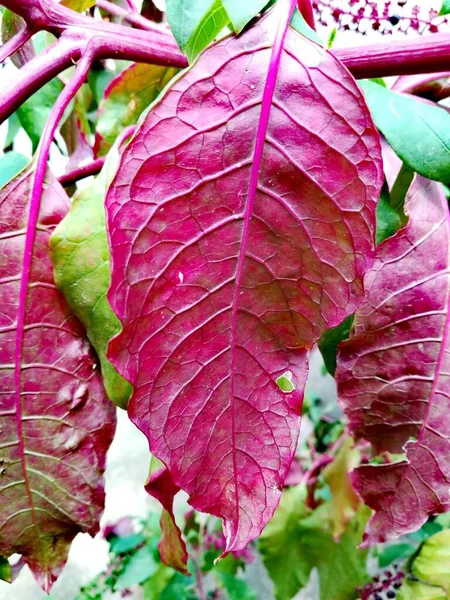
<point>409,57</point>
<point>15,43</point>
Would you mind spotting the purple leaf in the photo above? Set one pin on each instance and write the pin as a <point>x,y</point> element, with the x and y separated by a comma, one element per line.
<point>55,433</point>
<point>241,223</point>
<point>393,372</point>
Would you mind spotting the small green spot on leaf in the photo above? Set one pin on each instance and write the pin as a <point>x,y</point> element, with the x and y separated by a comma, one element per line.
<point>285,383</point>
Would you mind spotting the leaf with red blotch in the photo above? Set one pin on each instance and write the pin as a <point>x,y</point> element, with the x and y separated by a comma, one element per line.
<point>241,224</point>
<point>393,372</point>
<point>54,436</point>
<point>172,548</point>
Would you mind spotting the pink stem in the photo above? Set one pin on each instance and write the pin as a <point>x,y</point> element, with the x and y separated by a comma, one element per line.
<point>131,17</point>
<point>305,7</point>
<point>15,43</point>
<point>409,83</point>
<point>41,166</point>
<point>92,168</point>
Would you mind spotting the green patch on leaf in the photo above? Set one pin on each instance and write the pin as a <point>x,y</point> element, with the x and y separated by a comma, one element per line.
<point>418,133</point>
<point>5,569</point>
<point>285,383</point>
<point>445,8</point>
<point>80,256</point>
<point>137,569</point>
<point>10,165</point>
<point>196,24</point>
<point>126,97</point>
<point>78,5</point>
<point>236,588</point>
<point>393,553</point>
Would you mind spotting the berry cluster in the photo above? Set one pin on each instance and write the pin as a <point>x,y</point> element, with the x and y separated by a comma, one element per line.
<point>385,17</point>
<point>384,586</point>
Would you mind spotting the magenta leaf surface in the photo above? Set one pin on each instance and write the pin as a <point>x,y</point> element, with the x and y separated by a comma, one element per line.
<point>241,224</point>
<point>55,432</point>
<point>393,373</point>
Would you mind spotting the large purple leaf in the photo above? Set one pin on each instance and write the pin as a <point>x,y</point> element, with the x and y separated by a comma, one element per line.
<point>53,434</point>
<point>241,224</point>
<point>393,372</point>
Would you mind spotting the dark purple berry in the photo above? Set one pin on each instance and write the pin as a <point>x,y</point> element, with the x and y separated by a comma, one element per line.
<point>394,20</point>
<point>390,594</point>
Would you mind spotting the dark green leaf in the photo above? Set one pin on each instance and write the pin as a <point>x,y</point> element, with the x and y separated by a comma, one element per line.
<point>179,587</point>
<point>393,553</point>
<point>445,8</point>
<point>13,129</point>
<point>389,220</point>
<point>419,133</point>
<point>241,12</point>
<point>196,24</point>
<point>330,340</point>
<point>5,569</point>
<point>33,113</point>
<point>10,165</point>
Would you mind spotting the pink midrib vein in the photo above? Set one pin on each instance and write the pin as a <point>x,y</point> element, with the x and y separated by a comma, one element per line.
<point>287,7</point>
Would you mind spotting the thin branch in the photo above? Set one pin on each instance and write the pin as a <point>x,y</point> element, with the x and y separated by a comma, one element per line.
<point>15,43</point>
<point>132,17</point>
<point>410,83</point>
<point>93,168</point>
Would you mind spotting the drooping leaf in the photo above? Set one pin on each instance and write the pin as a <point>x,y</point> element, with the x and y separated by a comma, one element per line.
<point>12,24</point>
<point>418,132</point>
<point>195,24</point>
<point>55,433</point>
<point>233,249</point>
<point>344,501</point>
<point>297,540</point>
<point>132,91</point>
<point>11,164</point>
<point>171,547</point>
<point>80,256</point>
<point>240,13</point>
<point>393,371</point>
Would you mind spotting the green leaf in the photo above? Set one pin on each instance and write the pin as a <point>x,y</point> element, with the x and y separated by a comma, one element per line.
<point>432,565</point>
<point>241,12</point>
<point>415,590</point>
<point>11,164</point>
<point>80,256</point>
<point>237,589</point>
<point>33,113</point>
<point>120,545</point>
<point>5,569</point>
<point>389,220</point>
<point>295,541</point>
<point>300,25</point>
<point>155,585</point>
<point>393,553</point>
<point>196,24</point>
<point>140,567</point>
<point>445,8</point>
<point>179,587</point>
<point>13,129</point>
<point>330,340</point>
<point>126,97</point>
<point>418,133</point>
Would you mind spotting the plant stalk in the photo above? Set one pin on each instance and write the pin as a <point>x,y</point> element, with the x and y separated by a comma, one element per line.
<point>15,43</point>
